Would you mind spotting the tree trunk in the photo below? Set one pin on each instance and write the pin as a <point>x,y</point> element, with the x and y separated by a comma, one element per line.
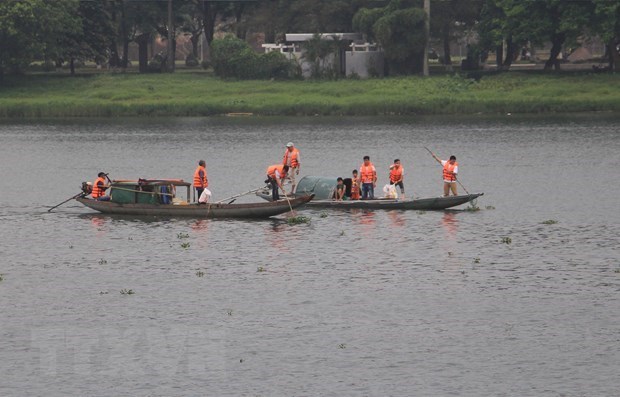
<point>553,62</point>
<point>125,59</point>
<point>447,59</point>
<point>510,53</point>
<point>143,51</point>
<point>614,56</point>
<point>239,30</point>
<point>114,60</point>
<point>499,56</point>
<point>195,39</point>
<point>209,16</point>
<point>72,66</point>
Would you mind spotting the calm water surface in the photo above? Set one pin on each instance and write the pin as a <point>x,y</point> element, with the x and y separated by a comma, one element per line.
<point>349,304</point>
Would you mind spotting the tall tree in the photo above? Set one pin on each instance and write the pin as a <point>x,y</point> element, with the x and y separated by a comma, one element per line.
<point>450,19</point>
<point>399,28</point>
<point>34,28</point>
<point>606,23</point>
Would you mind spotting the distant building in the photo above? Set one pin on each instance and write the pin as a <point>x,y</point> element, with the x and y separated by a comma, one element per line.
<point>362,59</point>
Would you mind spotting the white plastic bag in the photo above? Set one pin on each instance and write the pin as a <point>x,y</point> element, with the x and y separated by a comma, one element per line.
<point>390,191</point>
<point>205,196</point>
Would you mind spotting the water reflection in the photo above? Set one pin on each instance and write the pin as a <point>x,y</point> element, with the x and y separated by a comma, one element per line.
<point>276,236</point>
<point>397,219</point>
<point>450,224</point>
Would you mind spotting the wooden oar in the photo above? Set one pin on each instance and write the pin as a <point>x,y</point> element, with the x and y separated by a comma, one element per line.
<point>239,195</point>
<point>439,161</point>
<point>69,199</point>
<point>287,199</point>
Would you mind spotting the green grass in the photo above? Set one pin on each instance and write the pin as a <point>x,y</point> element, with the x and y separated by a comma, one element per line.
<point>200,94</point>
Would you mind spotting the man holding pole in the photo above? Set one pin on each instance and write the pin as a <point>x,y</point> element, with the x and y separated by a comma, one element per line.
<point>275,175</point>
<point>450,170</point>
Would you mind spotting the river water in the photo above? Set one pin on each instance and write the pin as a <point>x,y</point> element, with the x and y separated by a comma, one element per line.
<point>520,298</point>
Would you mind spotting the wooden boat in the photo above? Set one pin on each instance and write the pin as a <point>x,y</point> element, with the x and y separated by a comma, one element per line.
<point>158,198</point>
<point>323,189</point>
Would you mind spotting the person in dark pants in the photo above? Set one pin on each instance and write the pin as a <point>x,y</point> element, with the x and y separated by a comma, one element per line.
<point>275,175</point>
<point>200,178</point>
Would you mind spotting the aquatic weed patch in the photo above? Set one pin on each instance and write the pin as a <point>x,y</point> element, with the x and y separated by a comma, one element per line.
<point>296,220</point>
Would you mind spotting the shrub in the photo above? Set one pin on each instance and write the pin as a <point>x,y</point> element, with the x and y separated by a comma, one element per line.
<point>233,58</point>
<point>191,61</point>
<point>157,63</point>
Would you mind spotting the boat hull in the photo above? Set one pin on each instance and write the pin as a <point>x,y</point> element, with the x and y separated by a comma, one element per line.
<point>222,210</point>
<point>423,204</point>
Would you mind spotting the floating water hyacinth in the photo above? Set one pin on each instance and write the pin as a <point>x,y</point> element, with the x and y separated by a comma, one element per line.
<point>294,220</point>
<point>127,292</point>
<point>200,273</point>
<point>549,222</point>
<point>182,235</point>
<point>185,245</point>
<point>506,240</point>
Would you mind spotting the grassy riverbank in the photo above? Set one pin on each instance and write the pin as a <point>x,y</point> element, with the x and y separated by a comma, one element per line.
<point>186,94</point>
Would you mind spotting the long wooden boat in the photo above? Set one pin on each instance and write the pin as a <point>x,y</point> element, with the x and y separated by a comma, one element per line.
<point>323,189</point>
<point>158,198</point>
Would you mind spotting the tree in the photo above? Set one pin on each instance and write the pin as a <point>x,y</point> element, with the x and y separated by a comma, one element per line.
<point>31,29</point>
<point>399,28</point>
<point>90,41</point>
<point>606,22</point>
<point>450,18</point>
<point>517,22</point>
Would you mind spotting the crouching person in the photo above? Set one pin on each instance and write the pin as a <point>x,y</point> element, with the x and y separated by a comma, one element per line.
<point>275,175</point>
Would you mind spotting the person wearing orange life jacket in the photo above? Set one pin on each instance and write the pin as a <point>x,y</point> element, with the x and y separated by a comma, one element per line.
<point>275,175</point>
<point>368,179</point>
<point>450,170</point>
<point>292,159</point>
<point>99,188</point>
<point>200,178</point>
<point>355,186</point>
<point>396,176</point>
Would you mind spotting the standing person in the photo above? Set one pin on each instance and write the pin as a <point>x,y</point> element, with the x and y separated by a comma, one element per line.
<point>200,178</point>
<point>292,160</point>
<point>275,175</point>
<point>368,179</point>
<point>396,176</point>
<point>355,186</point>
<point>99,187</point>
<point>450,170</point>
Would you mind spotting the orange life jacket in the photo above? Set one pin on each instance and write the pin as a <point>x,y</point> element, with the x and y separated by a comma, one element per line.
<point>98,189</point>
<point>294,158</point>
<point>271,171</point>
<point>448,171</point>
<point>355,190</point>
<point>396,174</point>
<point>201,182</point>
<point>367,173</point>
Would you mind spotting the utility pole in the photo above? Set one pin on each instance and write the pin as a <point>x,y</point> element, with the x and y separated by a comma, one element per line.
<point>427,29</point>
<point>170,38</point>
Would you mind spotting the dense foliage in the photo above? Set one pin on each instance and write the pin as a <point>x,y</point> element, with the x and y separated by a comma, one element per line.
<point>72,31</point>
<point>234,58</point>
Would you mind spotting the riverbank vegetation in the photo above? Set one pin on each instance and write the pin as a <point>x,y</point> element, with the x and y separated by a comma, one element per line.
<point>199,94</point>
